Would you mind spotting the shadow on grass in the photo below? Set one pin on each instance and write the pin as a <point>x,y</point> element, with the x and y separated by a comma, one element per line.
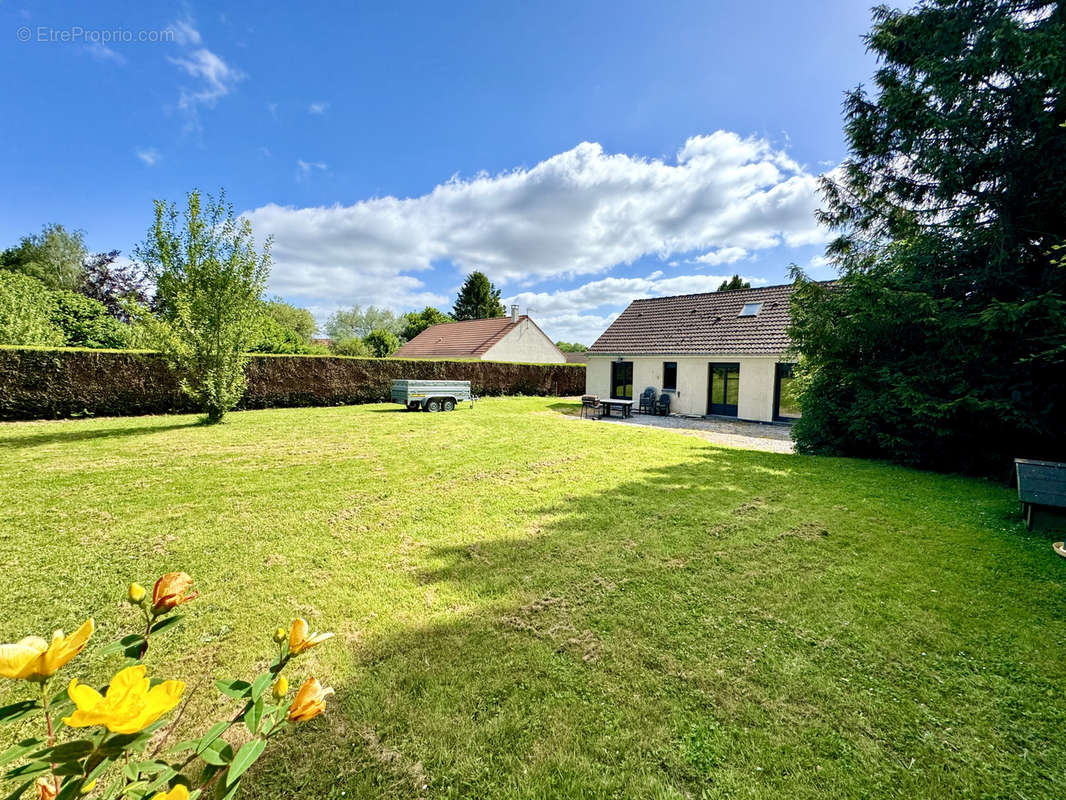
<point>76,433</point>
<point>673,632</point>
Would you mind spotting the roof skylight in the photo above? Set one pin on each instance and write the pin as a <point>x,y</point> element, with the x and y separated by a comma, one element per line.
<point>750,310</point>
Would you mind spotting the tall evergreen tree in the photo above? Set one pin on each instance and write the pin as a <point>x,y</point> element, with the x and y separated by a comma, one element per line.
<point>477,299</point>
<point>734,283</point>
<point>943,343</point>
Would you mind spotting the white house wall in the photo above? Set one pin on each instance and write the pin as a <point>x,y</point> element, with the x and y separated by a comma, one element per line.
<point>756,390</point>
<point>525,342</point>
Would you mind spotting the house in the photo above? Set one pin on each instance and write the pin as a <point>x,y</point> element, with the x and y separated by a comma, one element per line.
<point>513,338</point>
<point>576,358</point>
<point>720,353</point>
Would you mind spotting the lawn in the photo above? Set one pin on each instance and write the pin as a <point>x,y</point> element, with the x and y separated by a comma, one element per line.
<point>531,605</point>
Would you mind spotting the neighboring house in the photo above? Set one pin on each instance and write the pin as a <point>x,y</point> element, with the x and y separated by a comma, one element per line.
<point>513,338</point>
<point>576,358</point>
<point>720,353</point>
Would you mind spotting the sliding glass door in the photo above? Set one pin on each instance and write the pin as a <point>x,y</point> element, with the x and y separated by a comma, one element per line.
<point>621,380</point>
<point>786,401</point>
<point>723,389</point>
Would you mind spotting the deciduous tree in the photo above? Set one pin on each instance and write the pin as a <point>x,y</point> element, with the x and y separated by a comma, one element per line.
<point>210,282</point>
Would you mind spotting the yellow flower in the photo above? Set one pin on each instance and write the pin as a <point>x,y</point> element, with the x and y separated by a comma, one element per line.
<point>300,639</point>
<point>169,592</point>
<point>281,688</point>
<point>130,705</point>
<point>136,593</point>
<point>179,792</point>
<point>34,659</point>
<point>310,701</point>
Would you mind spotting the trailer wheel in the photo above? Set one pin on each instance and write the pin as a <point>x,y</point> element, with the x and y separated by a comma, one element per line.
<point>413,407</point>
<point>449,404</point>
<point>433,405</point>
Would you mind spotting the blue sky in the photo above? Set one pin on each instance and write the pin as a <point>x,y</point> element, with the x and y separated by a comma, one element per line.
<point>581,154</point>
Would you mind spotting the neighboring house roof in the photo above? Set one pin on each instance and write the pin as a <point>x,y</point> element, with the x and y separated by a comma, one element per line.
<point>576,358</point>
<point>468,339</point>
<point>701,323</point>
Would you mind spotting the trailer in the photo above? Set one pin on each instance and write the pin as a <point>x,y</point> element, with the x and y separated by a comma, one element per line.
<point>431,395</point>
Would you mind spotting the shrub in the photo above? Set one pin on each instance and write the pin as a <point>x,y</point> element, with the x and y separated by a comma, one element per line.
<point>86,322</point>
<point>381,343</point>
<point>26,308</point>
<point>350,346</point>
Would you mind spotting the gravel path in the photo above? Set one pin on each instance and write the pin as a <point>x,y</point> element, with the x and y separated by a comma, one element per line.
<point>748,435</point>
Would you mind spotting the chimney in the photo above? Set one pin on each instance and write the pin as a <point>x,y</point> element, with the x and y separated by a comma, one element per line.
<point>514,313</point>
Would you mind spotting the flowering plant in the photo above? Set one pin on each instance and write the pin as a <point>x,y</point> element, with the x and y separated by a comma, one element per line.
<point>125,754</point>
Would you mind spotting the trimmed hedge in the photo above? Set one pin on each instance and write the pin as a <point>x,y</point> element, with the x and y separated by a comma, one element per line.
<point>47,384</point>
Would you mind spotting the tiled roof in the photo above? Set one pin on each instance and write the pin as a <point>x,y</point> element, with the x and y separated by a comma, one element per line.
<point>469,339</point>
<point>701,324</point>
<point>576,358</point>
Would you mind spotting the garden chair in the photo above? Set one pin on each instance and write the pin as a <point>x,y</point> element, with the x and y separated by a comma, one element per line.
<point>647,401</point>
<point>662,408</point>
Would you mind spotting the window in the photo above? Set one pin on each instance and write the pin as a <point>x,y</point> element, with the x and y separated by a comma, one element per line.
<point>750,310</point>
<point>669,376</point>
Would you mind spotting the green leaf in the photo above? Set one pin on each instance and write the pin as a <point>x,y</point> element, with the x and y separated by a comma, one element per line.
<point>20,790</point>
<point>124,645</point>
<point>166,622</point>
<point>246,756</point>
<point>218,753</point>
<point>212,734</point>
<point>234,689</point>
<point>17,711</point>
<point>254,716</point>
<point>260,685</point>
<point>231,791</point>
<point>68,751</point>
<point>163,778</point>
<point>19,750</point>
<point>30,768</point>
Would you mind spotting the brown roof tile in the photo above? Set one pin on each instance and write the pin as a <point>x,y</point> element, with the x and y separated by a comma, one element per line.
<point>468,339</point>
<point>701,323</point>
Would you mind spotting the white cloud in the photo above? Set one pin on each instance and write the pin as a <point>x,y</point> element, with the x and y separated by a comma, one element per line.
<point>565,314</point>
<point>579,212</point>
<point>725,255</point>
<point>305,168</point>
<point>185,33</point>
<point>214,77</point>
<point>318,108</point>
<point>101,52</point>
<point>149,155</point>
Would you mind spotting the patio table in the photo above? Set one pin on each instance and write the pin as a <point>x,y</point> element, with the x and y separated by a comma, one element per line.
<point>625,407</point>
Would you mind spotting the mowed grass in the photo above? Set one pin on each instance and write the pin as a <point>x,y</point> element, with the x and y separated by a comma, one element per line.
<point>533,606</point>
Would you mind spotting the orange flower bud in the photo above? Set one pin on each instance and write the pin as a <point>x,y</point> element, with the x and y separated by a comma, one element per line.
<point>310,701</point>
<point>300,639</point>
<point>169,592</point>
<point>47,788</point>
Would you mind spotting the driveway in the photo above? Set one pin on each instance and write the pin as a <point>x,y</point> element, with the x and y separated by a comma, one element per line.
<point>748,435</point>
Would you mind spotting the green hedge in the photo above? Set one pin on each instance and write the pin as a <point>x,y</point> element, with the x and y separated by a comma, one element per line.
<point>37,383</point>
